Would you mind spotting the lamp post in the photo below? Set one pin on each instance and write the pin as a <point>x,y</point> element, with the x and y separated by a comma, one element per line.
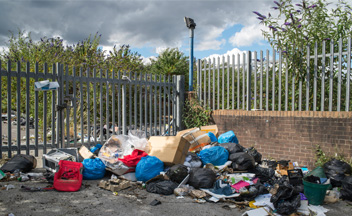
<point>191,25</point>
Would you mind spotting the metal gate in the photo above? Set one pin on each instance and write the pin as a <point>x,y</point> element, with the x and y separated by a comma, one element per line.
<point>89,106</point>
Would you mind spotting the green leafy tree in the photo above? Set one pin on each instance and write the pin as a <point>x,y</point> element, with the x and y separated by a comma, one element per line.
<point>86,54</point>
<point>170,62</point>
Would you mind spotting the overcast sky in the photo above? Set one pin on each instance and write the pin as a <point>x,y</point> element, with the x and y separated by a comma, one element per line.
<point>148,26</point>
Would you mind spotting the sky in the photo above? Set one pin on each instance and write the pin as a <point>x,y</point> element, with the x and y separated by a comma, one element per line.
<point>148,26</point>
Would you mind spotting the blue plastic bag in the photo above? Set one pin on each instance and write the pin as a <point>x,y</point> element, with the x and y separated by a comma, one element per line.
<point>216,155</point>
<point>148,167</point>
<point>95,148</point>
<point>228,137</point>
<point>93,169</point>
<point>212,137</point>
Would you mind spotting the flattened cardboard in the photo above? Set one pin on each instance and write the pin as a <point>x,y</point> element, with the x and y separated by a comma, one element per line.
<point>169,149</point>
<point>211,128</point>
<point>85,152</point>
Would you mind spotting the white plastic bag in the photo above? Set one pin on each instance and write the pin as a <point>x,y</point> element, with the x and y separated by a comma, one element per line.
<point>113,148</point>
<point>137,140</point>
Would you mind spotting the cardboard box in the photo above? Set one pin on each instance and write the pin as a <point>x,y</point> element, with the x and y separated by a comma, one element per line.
<point>169,149</point>
<point>211,128</point>
<point>181,133</point>
<point>197,138</point>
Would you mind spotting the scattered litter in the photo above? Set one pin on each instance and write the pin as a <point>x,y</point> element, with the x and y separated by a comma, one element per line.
<point>219,196</point>
<point>303,209</point>
<point>318,210</point>
<point>114,185</point>
<point>197,194</point>
<point>257,212</point>
<point>155,202</point>
<point>8,187</point>
<point>214,199</point>
<point>200,201</point>
<point>45,85</point>
<point>195,163</point>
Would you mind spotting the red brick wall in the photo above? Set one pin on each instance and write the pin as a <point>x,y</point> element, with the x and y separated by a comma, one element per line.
<point>289,135</point>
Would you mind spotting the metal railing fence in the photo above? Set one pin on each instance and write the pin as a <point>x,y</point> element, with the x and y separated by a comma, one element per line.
<point>89,106</point>
<point>254,81</point>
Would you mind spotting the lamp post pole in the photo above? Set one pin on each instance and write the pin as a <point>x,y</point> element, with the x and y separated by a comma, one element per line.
<point>191,25</point>
<point>191,35</point>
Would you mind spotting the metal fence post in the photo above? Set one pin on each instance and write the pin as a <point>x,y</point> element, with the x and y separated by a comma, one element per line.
<point>124,115</point>
<point>180,98</point>
<point>249,79</point>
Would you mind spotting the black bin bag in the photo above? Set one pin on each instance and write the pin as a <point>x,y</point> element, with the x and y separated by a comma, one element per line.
<point>242,161</point>
<point>160,186</point>
<point>264,174</point>
<point>177,173</point>
<point>287,200</point>
<point>254,153</point>
<point>23,163</point>
<point>232,147</point>
<point>346,189</point>
<point>202,178</point>
<point>336,170</point>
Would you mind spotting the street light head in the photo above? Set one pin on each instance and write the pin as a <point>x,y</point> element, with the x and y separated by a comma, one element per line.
<point>190,23</point>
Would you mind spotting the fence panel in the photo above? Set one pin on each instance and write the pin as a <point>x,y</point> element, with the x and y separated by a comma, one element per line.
<point>83,109</point>
<point>323,73</point>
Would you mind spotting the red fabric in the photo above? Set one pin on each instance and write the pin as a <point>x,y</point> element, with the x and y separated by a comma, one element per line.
<point>133,159</point>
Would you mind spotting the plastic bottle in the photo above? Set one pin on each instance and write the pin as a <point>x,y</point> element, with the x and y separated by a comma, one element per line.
<point>35,175</point>
<point>23,178</point>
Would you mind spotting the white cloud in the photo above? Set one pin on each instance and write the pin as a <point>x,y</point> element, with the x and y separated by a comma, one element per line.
<point>208,40</point>
<point>247,36</point>
<point>147,60</point>
<point>137,23</point>
<point>210,45</point>
<point>226,56</point>
<point>4,48</point>
<point>161,49</point>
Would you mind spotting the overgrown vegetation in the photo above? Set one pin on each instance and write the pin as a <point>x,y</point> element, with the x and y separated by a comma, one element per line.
<point>299,30</point>
<point>322,157</point>
<point>195,115</point>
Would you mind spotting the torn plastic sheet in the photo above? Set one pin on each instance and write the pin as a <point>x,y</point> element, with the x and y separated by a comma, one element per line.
<point>46,85</point>
<point>257,212</point>
<point>228,163</point>
<point>241,176</point>
<point>220,196</point>
<point>318,210</point>
<point>264,200</point>
<point>214,199</point>
<point>304,207</point>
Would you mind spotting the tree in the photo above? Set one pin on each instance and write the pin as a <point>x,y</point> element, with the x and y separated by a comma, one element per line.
<point>296,27</point>
<point>299,25</point>
<point>170,62</point>
<point>85,54</point>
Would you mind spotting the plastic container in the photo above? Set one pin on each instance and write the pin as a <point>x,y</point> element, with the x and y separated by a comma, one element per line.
<point>69,176</point>
<point>318,172</point>
<point>52,158</point>
<point>315,193</point>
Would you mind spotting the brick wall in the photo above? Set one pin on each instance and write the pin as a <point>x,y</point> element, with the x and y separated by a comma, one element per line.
<point>289,135</point>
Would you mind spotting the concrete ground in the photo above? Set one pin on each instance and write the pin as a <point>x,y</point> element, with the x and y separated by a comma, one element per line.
<point>92,200</point>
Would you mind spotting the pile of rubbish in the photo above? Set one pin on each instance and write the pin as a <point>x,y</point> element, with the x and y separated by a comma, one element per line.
<point>199,163</point>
